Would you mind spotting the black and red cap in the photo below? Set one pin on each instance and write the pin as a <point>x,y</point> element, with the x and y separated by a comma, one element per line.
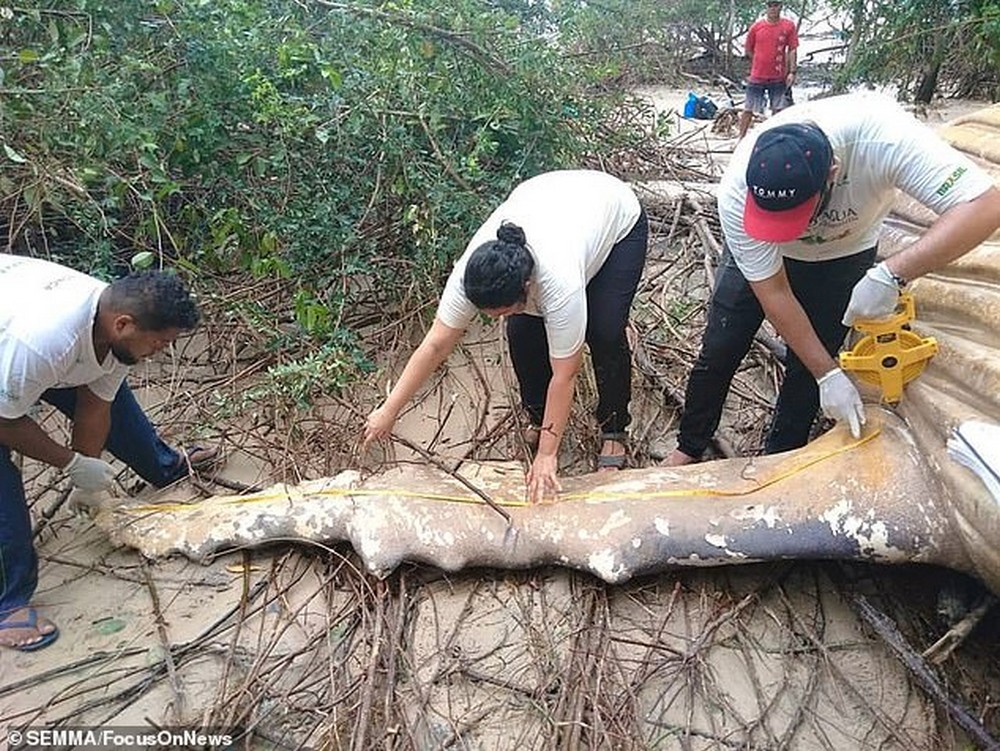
<point>786,174</point>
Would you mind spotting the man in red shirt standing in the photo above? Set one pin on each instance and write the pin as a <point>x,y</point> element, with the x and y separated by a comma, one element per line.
<point>771,46</point>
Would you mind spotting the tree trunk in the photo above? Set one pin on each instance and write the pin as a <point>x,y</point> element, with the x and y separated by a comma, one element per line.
<point>927,84</point>
<point>857,27</point>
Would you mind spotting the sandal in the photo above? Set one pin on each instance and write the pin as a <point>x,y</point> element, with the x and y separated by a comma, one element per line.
<point>30,622</point>
<point>613,461</point>
<point>201,458</point>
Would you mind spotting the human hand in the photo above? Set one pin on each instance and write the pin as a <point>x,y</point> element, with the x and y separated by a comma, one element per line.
<point>83,502</point>
<point>541,480</point>
<point>88,473</point>
<point>841,401</point>
<point>379,425</point>
<point>874,296</point>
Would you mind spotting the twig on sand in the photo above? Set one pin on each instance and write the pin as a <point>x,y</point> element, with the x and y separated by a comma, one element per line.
<point>943,648</point>
<point>924,675</point>
<point>427,456</point>
<point>177,705</point>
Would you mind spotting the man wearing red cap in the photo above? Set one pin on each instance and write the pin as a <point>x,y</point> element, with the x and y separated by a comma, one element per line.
<point>801,207</point>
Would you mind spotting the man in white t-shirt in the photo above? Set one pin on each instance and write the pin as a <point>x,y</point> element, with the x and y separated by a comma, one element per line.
<point>801,205</point>
<point>68,339</point>
<point>561,259</point>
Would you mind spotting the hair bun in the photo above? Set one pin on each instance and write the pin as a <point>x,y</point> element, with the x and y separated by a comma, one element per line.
<point>508,232</point>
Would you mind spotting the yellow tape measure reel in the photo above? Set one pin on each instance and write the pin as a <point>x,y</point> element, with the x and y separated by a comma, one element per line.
<point>890,355</point>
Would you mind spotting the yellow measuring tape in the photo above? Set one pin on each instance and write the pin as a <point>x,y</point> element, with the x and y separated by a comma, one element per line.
<point>471,499</point>
<point>890,355</point>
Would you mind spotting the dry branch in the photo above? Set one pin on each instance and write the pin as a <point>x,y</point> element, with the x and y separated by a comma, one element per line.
<point>924,675</point>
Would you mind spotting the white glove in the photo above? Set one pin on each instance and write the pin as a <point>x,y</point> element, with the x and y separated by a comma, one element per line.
<point>841,401</point>
<point>89,473</point>
<point>82,502</point>
<point>874,296</point>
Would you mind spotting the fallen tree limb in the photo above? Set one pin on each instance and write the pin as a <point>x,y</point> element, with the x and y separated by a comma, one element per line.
<point>942,649</point>
<point>925,676</point>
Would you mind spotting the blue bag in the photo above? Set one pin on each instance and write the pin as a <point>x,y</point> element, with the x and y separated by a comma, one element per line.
<point>690,105</point>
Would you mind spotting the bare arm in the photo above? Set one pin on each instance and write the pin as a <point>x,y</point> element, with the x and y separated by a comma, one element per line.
<point>955,233</point>
<point>791,65</point>
<point>437,344</point>
<point>91,422</point>
<point>748,43</point>
<point>25,436</point>
<point>541,480</point>
<point>785,312</point>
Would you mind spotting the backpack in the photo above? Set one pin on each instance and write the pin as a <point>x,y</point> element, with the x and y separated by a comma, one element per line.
<point>705,108</point>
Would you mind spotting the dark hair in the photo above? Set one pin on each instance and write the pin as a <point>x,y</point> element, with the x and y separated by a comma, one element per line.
<point>157,300</point>
<point>497,270</point>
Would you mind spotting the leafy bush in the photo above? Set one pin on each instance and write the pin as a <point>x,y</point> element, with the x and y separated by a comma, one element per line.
<point>925,47</point>
<point>326,146</point>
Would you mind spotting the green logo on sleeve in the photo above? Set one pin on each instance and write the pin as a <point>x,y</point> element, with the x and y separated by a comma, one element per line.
<point>952,179</point>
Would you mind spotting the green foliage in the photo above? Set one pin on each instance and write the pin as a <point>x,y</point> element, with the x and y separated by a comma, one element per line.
<point>636,41</point>
<point>299,383</point>
<point>344,152</point>
<point>317,145</point>
<point>924,46</point>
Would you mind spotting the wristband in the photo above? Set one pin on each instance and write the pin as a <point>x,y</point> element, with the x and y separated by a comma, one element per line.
<point>882,273</point>
<point>900,281</point>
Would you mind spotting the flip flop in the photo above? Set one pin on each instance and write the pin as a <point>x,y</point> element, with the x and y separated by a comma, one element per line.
<point>30,622</point>
<point>201,458</point>
<point>613,461</point>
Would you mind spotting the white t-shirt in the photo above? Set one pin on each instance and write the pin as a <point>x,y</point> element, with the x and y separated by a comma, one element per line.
<point>880,147</point>
<point>46,322</point>
<point>571,220</point>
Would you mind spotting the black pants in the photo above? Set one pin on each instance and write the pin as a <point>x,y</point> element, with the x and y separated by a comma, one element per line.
<point>823,288</point>
<point>609,298</point>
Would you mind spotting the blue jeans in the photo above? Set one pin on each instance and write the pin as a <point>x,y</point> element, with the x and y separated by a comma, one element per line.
<point>132,439</point>
<point>609,299</point>
<point>823,288</point>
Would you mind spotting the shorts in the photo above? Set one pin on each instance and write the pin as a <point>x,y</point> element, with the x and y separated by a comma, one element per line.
<point>777,95</point>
